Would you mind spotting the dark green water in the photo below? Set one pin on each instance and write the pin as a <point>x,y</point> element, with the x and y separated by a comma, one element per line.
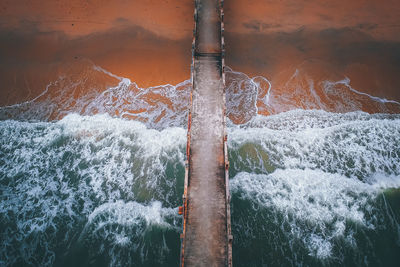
<point>100,191</point>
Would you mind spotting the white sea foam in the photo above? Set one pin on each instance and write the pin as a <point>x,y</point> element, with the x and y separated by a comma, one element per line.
<point>124,225</point>
<point>354,145</point>
<point>247,96</point>
<point>167,105</point>
<point>158,107</point>
<point>321,204</point>
<point>242,93</point>
<point>346,82</point>
<point>299,119</point>
<point>98,68</point>
<point>57,176</point>
<point>317,173</point>
<point>109,176</point>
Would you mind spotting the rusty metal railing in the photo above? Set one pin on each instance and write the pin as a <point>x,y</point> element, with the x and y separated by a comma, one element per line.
<point>226,159</point>
<point>187,178</point>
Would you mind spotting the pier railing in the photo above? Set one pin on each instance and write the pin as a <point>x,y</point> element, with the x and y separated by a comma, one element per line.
<point>184,209</point>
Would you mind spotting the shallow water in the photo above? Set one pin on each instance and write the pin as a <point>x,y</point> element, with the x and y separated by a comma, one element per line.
<point>82,184</point>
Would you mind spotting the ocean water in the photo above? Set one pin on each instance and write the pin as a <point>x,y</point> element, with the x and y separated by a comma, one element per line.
<point>96,180</point>
<point>314,188</point>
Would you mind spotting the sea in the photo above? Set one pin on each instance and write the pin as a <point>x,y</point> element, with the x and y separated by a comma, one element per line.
<point>93,177</point>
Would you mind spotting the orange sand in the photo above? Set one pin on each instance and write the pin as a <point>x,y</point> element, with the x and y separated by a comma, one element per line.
<point>149,42</point>
<point>146,41</point>
<point>327,40</point>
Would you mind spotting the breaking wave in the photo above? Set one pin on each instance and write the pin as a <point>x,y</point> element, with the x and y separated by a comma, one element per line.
<point>92,175</point>
<point>317,181</point>
<point>94,182</point>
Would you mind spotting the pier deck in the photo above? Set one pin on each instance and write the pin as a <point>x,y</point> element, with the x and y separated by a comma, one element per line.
<point>206,238</point>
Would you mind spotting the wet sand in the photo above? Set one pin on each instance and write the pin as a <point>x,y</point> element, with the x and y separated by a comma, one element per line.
<point>149,42</point>
<point>357,39</point>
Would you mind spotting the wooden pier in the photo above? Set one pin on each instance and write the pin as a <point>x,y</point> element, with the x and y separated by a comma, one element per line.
<point>206,239</point>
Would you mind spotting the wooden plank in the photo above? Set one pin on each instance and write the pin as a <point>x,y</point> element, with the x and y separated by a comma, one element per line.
<point>207,238</point>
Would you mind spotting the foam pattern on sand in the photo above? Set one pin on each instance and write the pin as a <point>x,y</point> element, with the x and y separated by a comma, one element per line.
<point>86,90</point>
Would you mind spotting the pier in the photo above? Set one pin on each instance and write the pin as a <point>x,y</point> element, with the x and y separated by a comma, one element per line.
<point>206,239</point>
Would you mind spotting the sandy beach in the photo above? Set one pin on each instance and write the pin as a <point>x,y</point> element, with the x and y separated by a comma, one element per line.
<point>149,42</point>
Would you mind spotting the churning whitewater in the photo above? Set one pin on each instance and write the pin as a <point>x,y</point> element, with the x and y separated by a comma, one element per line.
<point>82,184</point>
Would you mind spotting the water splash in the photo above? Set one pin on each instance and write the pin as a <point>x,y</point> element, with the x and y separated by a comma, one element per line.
<point>88,93</point>
<point>58,179</point>
<point>316,183</point>
<point>310,186</point>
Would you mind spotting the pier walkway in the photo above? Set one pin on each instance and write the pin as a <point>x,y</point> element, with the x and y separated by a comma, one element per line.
<point>206,239</point>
